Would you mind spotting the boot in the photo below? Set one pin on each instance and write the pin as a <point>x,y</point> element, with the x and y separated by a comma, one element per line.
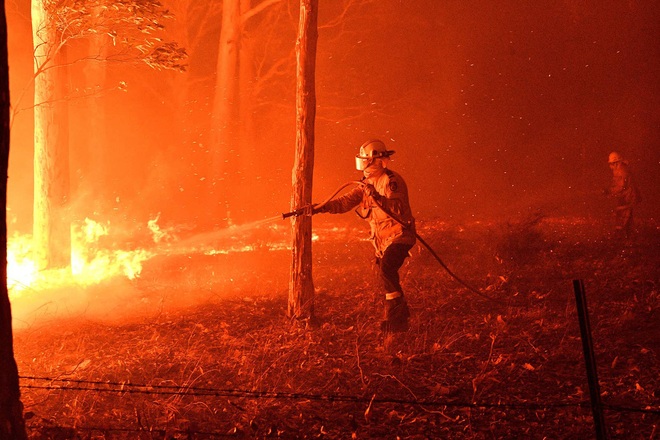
<point>395,316</point>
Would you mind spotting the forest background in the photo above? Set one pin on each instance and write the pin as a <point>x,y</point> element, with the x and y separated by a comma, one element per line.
<point>495,109</point>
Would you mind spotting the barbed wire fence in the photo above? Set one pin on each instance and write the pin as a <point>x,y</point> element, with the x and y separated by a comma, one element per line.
<point>60,384</point>
<point>121,388</point>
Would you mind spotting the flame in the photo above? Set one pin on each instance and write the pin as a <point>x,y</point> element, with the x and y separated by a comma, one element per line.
<point>94,261</point>
<point>90,263</point>
<point>21,269</point>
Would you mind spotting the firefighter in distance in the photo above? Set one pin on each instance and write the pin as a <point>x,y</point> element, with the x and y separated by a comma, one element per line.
<point>625,193</point>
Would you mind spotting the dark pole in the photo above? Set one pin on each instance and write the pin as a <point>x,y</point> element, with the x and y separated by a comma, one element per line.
<point>589,359</point>
<point>12,425</point>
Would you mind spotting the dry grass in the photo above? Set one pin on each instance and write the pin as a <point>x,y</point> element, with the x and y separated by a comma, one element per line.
<point>467,369</point>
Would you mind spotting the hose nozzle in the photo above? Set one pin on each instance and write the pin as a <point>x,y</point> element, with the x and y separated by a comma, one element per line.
<point>296,212</point>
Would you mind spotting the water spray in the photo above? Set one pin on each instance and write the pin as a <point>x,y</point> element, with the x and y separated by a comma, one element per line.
<point>202,240</point>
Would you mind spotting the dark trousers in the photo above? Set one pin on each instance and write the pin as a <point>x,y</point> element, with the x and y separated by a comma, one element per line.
<point>389,265</point>
<point>624,220</point>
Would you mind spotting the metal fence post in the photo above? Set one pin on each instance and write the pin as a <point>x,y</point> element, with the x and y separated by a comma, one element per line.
<point>589,359</point>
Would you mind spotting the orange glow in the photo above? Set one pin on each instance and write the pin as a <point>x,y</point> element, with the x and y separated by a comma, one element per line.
<point>93,263</point>
<point>89,264</point>
<point>21,269</point>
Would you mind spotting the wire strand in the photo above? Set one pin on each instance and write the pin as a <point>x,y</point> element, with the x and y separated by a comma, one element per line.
<point>129,388</point>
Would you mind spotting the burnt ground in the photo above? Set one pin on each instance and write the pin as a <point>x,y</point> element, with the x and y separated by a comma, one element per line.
<point>200,347</point>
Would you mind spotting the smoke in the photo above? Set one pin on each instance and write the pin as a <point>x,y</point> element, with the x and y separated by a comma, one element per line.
<point>494,109</point>
<point>109,301</point>
<point>174,271</point>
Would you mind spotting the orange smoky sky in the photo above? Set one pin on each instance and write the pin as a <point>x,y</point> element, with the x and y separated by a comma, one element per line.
<point>494,109</point>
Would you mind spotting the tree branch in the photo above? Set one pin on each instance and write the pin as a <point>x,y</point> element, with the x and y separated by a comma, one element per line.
<point>257,9</point>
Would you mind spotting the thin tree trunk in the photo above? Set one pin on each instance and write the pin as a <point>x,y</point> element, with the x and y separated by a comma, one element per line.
<point>51,222</point>
<point>225,107</point>
<point>12,425</point>
<point>246,87</point>
<point>301,286</point>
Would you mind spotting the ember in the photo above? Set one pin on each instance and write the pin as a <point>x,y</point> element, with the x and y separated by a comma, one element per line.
<point>156,292</point>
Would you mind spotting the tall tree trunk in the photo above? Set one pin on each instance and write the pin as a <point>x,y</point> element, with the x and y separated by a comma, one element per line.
<point>12,425</point>
<point>301,286</point>
<point>246,86</point>
<point>226,106</point>
<point>51,221</point>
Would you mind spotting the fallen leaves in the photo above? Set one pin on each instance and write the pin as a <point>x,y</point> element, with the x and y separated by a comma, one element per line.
<point>460,350</point>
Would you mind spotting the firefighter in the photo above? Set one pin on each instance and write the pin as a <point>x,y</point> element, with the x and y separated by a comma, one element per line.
<point>382,200</point>
<point>625,193</point>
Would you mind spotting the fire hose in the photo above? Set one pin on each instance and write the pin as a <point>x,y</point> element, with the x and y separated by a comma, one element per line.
<point>309,210</point>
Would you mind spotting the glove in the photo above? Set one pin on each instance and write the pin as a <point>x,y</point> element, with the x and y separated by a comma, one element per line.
<point>318,210</point>
<point>370,191</point>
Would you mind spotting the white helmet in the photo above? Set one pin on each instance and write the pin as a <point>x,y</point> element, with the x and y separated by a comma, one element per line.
<point>614,157</point>
<point>370,150</point>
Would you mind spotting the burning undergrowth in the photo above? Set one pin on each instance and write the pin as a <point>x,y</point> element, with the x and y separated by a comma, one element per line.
<point>227,362</point>
<point>106,259</point>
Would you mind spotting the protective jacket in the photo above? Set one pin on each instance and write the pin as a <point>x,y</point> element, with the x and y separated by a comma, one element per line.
<point>393,198</point>
<point>623,188</point>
